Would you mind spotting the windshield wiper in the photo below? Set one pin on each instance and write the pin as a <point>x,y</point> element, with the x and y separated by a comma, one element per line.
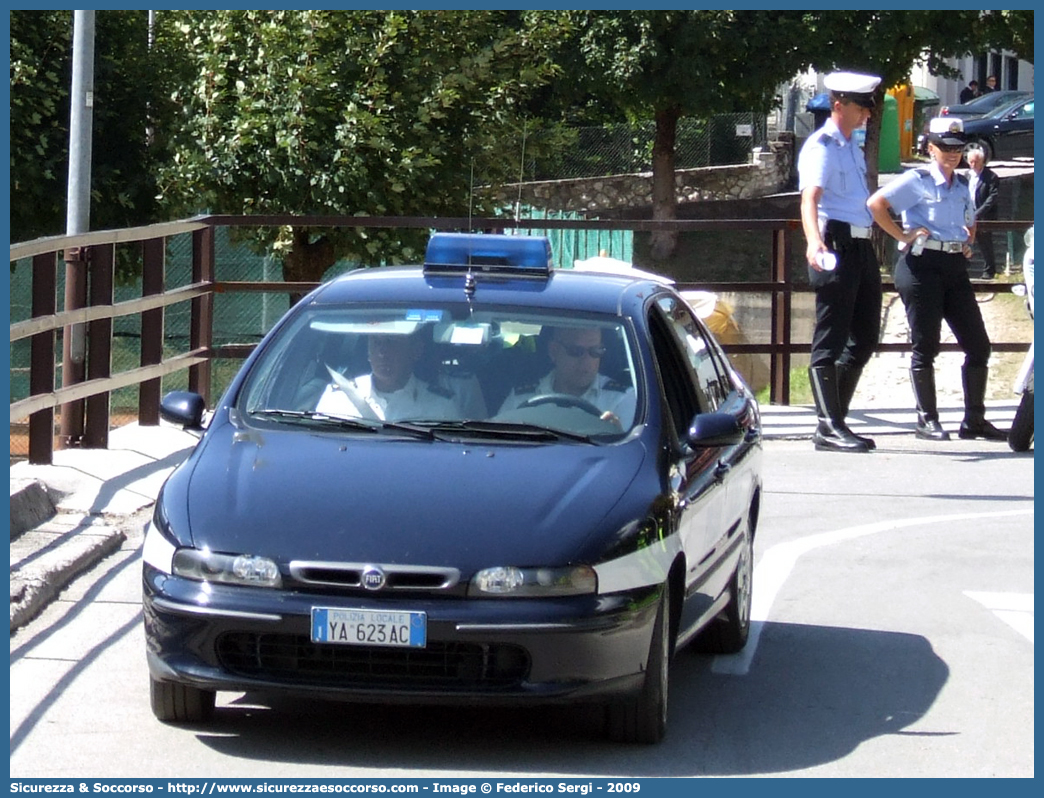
<point>427,430</point>
<point>420,430</point>
<point>513,431</point>
<point>312,418</point>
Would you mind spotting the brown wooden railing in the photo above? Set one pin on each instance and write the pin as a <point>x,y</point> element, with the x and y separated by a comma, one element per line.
<point>97,251</point>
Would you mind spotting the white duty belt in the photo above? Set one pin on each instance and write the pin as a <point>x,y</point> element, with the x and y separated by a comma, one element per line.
<point>854,230</point>
<point>944,246</point>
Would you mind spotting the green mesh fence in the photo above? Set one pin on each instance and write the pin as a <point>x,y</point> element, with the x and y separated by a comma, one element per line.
<point>568,246</point>
<point>627,148</point>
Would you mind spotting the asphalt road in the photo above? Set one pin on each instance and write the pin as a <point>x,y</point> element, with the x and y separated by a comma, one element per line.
<point>893,603</point>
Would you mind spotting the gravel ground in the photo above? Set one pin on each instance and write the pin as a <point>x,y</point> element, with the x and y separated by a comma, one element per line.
<point>885,381</point>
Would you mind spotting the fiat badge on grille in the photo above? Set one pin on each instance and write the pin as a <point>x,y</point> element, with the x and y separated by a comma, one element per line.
<point>372,577</point>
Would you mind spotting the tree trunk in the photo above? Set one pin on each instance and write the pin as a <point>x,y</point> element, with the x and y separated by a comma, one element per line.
<point>664,193</point>
<point>307,260</point>
<point>872,153</point>
<point>872,148</point>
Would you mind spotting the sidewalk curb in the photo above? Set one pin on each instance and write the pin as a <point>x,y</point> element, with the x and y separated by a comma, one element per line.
<point>31,505</point>
<point>69,515</point>
<point>45,560</point>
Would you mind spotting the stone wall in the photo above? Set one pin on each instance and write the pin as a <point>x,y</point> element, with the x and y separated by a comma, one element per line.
<point>768,173</point>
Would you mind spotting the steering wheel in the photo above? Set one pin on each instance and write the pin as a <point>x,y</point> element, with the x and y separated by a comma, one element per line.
<point>562,400</point>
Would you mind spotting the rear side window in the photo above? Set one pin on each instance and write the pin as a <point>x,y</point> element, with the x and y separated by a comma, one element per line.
<point>709,375</point>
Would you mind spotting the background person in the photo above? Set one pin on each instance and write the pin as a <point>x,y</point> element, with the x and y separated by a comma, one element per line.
<point>985,189</point>
<point>969,92</point>
<point>991,84</point>
<point>935,201</point>
<point>835,219</point>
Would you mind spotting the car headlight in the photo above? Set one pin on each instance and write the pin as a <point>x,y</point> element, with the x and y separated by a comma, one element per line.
<point>228,569</point>
<point>512,582</point>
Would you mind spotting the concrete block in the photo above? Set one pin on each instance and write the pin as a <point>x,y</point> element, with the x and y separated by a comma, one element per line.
<point>31,505</point>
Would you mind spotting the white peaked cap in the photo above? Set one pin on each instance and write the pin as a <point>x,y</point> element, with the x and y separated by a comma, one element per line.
<point>851,82</point>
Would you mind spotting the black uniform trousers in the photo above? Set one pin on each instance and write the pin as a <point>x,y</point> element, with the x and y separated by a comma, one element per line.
<point>985,242</point>
<point>934,286</point>
<point>848,302</point>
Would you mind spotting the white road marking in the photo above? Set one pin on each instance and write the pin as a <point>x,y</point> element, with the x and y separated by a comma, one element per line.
<point>775,566</point>
<point>1015,609</point>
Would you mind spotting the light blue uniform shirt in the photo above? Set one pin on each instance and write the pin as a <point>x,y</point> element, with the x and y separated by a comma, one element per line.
<point>924,200</point>
<point>835,164</point>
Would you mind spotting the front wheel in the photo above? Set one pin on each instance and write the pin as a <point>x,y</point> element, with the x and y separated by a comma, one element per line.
<point>728,633</point>
<point>642,718</point>
<point>1020,436</point>
<point>179,703</point>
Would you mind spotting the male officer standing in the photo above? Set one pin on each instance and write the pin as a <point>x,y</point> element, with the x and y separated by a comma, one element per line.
<point>842,267</point>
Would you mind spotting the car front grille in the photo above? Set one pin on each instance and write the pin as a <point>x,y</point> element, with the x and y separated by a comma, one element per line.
<point>294,659</point>
<point>392,577</point>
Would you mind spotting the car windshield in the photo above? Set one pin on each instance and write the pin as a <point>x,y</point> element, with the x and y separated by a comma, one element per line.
<point>1007,108</point>
<point>445,371</point>
<point>986,103</point>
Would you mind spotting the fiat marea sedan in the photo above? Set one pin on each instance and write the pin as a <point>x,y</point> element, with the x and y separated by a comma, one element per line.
<point>481,480</point>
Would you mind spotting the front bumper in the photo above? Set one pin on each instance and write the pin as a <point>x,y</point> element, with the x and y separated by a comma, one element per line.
<point>509,651</point>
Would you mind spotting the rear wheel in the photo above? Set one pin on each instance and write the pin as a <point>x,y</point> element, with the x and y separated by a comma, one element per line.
<point>982,144</point>
<point>728,633</point>
<point>1021,434</point>
<point>179,703</point>
<point>642,718</point>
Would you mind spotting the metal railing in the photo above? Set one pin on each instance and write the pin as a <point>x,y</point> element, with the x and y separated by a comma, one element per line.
<point>97,250</point>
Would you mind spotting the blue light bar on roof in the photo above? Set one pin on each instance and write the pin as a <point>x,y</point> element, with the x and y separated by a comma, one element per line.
<point>489,252</point>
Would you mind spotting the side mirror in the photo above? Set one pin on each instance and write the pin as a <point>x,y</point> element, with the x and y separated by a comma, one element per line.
<point>183,408</point>
<point>715,429</point>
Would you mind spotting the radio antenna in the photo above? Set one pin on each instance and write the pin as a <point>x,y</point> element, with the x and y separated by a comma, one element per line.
<point>521,173</point>
<point>471,191</point>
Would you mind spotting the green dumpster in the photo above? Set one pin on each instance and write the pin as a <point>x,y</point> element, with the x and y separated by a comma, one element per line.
<point>888,153</point>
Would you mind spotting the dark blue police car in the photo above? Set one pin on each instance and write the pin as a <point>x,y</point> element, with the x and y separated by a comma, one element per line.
<point>483,480</point>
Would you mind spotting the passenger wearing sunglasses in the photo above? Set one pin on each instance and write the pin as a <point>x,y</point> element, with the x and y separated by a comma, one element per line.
<point>931,276</point>
<point>576,354</point>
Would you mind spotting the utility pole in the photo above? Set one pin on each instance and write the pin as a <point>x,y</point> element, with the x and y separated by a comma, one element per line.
<point>78,216</point>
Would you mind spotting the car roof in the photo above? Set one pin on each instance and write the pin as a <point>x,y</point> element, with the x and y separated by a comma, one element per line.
<point>996,96</point>
<point>559,289</point>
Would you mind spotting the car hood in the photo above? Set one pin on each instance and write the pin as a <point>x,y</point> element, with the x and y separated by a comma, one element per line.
<point>469,505</point>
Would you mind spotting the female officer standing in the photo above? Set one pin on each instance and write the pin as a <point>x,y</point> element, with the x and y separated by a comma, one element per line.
<point>937,209</point>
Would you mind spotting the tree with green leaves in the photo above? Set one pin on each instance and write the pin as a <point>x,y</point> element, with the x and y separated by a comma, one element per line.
<point>405,113</point>
<point>127,90</point>
<point>665,65</point>
<point>889,43</point>
<point>368,113</point>
<point>39,133</point>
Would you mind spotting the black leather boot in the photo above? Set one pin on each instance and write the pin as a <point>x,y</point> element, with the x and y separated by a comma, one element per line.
<point>928,426</point>
<point>847,380</point>
<point>975,424</point>
<point>831,434</point>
